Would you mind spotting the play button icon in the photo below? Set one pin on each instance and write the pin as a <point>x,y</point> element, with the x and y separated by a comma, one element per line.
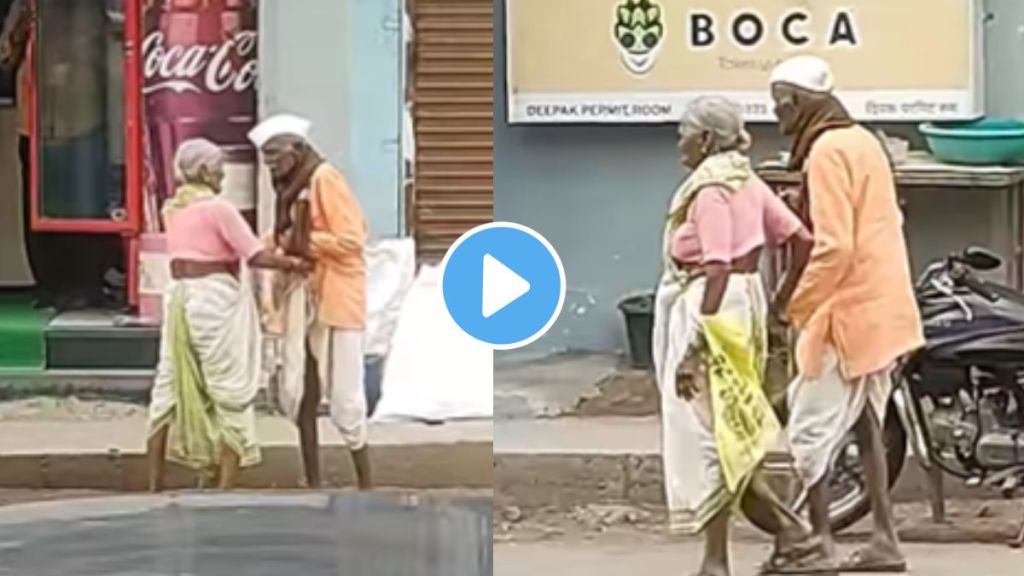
<point>503,284</point>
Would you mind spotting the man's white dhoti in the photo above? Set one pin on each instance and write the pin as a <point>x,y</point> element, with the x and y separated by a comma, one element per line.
<point>339,359</point>
<point>823,410</point>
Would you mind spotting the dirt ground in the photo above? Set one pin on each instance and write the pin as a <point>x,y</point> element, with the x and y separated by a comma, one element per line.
<point>613,556</point>
<point>970,521</point>
<point>68,409</point>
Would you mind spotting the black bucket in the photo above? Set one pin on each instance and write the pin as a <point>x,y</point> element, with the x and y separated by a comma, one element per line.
<point>638,311</point>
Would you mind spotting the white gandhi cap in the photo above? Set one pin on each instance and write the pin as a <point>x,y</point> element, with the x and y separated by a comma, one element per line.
<point>279,125</point>
<point>808,72</point>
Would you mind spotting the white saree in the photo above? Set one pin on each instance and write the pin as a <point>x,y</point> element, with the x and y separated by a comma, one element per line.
<point>713,442</point>
<point>208,374</point>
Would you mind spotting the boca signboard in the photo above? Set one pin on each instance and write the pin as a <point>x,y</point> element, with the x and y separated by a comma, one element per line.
<point>642,61</point>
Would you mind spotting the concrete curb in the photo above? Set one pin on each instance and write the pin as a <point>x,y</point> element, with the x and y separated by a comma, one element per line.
<point>405,466</point>
<point>132,386</point>
<point>106,451</point>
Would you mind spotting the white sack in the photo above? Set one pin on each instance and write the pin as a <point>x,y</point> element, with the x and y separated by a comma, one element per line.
<point>390,270</point>
<point>434,371</point>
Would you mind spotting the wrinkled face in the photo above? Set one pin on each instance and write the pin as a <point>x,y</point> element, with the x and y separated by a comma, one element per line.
<point>786,107</point>
<point>693,146</point>
<point>281,156</point>
<point>212,174</point>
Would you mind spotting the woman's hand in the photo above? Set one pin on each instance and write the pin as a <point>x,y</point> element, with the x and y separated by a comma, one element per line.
<point>269,241</point>
<point>268,258</point>
<point>689,374</point>
<point>299,265</point>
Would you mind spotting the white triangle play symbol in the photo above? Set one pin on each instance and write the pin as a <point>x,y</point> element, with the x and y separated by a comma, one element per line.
<point>501,286</point>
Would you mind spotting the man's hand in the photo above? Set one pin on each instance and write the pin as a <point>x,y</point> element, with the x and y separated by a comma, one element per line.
<point>321,244</point>
<point>777,310</point>
<point>793,197</point>
<point>316,241</point>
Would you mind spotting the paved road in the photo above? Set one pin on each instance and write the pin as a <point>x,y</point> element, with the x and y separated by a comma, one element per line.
<point>250,535</point>
<point>659,559</point>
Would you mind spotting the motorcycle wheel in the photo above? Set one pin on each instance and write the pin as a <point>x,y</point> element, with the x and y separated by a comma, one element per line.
<point>850,501</point>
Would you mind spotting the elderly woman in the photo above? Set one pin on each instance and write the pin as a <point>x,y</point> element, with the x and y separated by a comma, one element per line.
<point>207,378</point>
<point>710,337</point>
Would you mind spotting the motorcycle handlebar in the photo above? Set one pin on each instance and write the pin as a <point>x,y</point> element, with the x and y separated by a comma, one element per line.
<point>976,285</point>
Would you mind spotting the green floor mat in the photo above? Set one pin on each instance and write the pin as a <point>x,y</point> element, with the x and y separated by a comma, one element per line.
<point>22,334</point>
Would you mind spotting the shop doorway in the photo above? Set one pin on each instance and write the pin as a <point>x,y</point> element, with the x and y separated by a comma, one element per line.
<point>14,271</point>
<point>66,111</point>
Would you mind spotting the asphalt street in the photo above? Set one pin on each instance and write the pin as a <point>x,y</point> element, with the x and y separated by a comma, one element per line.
<point>254,535</point>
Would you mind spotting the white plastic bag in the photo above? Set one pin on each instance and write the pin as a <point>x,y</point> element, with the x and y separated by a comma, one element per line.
<point>434,372</point>
<point>390,269</point>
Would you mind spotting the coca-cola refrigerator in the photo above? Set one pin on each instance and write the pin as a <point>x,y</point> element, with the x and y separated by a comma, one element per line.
<point>116,86</point>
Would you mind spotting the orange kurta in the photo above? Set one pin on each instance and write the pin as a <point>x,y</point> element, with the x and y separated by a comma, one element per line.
<point>339,232</point>
<point>857,293</point>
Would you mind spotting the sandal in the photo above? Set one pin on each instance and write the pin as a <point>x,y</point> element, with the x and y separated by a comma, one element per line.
<point>795,552</point>
<point>860,563</point>
<point>800,560</point>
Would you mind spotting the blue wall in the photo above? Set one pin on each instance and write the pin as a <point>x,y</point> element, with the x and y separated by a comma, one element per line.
<point>337,62</point>
<point>373,34</point>
<point>599,194</point>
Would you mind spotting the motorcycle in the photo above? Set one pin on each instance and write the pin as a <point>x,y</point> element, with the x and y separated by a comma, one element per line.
<point>958,402</point>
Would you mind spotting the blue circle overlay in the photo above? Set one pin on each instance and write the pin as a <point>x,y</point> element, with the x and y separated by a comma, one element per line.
<point>524,252</point>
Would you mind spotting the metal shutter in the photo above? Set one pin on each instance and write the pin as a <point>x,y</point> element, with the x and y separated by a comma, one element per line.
<point>453,112</point>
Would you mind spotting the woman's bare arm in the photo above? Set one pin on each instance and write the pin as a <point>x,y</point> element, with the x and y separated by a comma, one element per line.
<point>716,281</point>
<point>268,258</point>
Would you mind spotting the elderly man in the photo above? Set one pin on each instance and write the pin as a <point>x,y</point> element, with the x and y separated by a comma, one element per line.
<point>319,217</point>
<point>853,305</point>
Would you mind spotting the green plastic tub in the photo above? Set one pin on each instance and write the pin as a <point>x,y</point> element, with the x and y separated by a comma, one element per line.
<point>985,142</point>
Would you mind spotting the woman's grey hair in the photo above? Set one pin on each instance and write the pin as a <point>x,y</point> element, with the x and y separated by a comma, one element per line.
<point>193,156</point>
<point>722,119</point>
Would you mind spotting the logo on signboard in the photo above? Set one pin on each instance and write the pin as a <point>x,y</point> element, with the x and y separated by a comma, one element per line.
<point>638,32</point>
<point>226,66</point>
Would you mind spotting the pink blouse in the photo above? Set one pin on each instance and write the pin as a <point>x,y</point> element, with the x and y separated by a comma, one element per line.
<point>210,231</point>
<point>723,226</point>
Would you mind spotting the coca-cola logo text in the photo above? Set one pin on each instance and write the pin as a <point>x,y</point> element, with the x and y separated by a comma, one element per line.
<point>200,68</point>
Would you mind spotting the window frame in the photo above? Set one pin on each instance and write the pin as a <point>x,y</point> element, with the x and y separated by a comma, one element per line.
<point>131,99</point>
